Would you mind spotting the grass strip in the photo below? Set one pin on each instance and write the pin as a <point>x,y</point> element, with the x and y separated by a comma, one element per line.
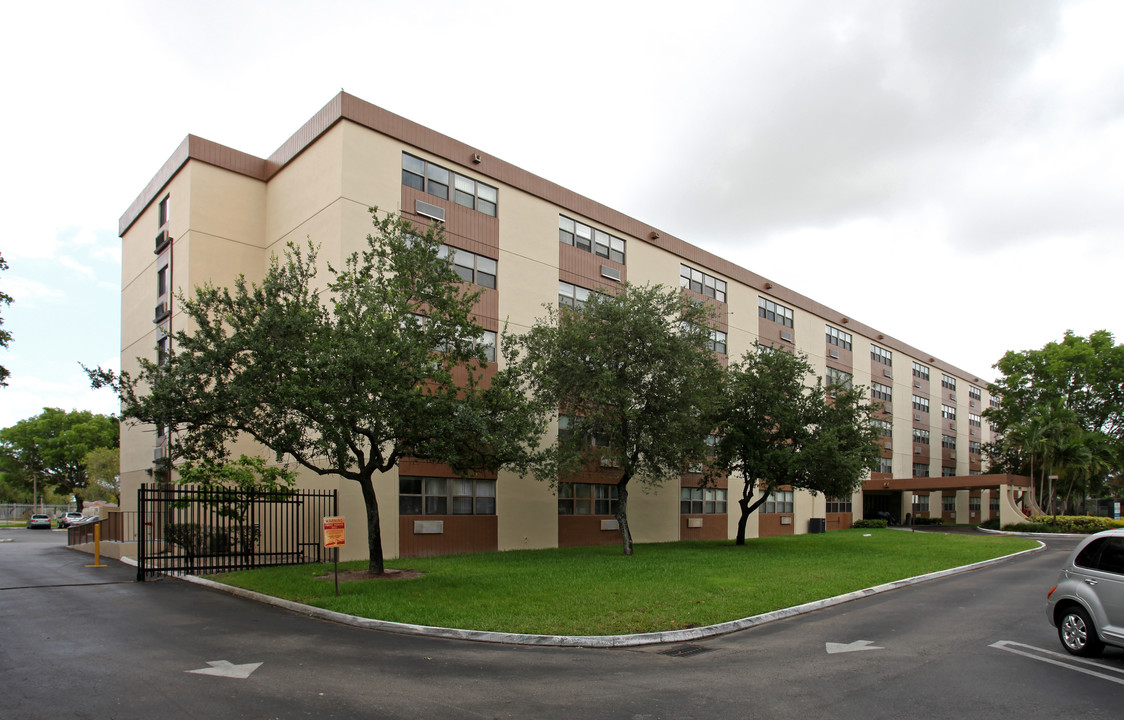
<point>599,591</point>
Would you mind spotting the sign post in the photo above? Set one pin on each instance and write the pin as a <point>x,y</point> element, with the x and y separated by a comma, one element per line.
<point>335,537</point>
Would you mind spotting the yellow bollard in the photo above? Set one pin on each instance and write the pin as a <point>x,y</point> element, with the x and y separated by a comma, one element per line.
<point>97,546</point>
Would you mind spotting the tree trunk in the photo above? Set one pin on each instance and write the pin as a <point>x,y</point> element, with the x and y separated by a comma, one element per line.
<point>375,563</point>
<point>747,509</point>
<point>622,514</point>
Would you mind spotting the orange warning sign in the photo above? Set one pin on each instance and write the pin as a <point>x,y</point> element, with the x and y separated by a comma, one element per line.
<point>334,532</point>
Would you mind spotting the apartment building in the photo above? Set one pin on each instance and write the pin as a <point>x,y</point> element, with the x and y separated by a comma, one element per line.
<point>216,212</point>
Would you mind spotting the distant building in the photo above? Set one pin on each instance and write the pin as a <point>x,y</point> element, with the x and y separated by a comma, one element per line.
<point>215,212</point>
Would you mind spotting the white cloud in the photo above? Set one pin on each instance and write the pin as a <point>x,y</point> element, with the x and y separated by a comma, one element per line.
<point>31,293</point>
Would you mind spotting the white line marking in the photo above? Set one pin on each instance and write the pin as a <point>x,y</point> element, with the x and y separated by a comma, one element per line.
<point>1067,661</point>
<point>225,668</point>
<point>856,646</point>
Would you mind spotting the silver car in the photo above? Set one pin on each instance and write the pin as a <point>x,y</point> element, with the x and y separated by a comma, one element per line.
<point>1087,604</point>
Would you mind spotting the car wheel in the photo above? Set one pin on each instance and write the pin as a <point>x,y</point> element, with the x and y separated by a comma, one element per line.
<point>1078,635</point>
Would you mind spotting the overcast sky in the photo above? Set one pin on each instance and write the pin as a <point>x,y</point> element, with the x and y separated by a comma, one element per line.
<point>947,172</point>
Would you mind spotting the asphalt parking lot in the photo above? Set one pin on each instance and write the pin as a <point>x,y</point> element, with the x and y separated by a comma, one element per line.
<point>975,644</point>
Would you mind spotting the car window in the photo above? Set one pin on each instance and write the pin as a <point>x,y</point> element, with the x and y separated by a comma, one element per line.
<point>1112,556</point>
<point>1089,556</point>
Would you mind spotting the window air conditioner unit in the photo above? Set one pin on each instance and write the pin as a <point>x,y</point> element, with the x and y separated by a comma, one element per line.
<point>889,446</point>
<point>162,240</point>
<point>887,373</point>
<point>952,456</point>
<point>916,451</point>
<point>952,396</point>
<point>834,353</point>
<point>162,311</point>
<point>610,273</point>
<point>916,383</point>
<point>159,454</point>
<point>429,210</point>
<point>952,425</point>
<point>916,416</point>
<point>786,336</point>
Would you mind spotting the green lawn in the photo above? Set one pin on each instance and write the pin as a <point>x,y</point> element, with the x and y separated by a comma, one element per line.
<point>598,591</point>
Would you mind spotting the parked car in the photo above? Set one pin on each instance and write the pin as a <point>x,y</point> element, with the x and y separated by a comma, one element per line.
<point>70,518</point>
<point>38,520</point>
<point>1087,604</point>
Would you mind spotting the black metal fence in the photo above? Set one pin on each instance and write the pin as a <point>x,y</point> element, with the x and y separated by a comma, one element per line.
<point>203,530</point>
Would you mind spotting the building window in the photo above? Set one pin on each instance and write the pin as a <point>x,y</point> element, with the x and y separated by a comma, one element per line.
<point>878,391</point>
<point>974,393</point>
<point>162,212</point>
<point>486,339</point>
<point>920,371</point>
<point>974,504</point>
<point>881,355</point>
<point>837,378</point>
<point>920,470</point>
<point>884,427</point>
<point>948,382</point>
<point>974,420</point>
<point>920,502</point>
<point>162,281</point>
<point>839,505</point>
<point>163,349</point>
<point>948,412</point>
<point>948,442</point>
<point>471,267</point>
<point>886,465</point>
<point>993,504</point>
<point>702,501</point>
<point>973,447</point>
<point>837,337</point>
<point>948,503</point>
<point>920,404</point>
<point>572,296</point>
<point>718,341</point>
<point>920,436</point>
<point>994,402</point>
<point>948,471</point>
<point>436,180</point>
<point>778,502</point>
<point>774,311</point>
<point>446,496</point>
<point>587,499</point>
<point>702,283</point>
<point>591,240</point>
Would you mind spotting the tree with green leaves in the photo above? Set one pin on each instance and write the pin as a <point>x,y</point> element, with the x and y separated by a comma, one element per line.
<point>103,470</point>
<point>634,374</point>
<point>5,336</point>
<point>51,448</point>
<point>1061,412</point>
<point>778,430</point>
<point>381,362</point>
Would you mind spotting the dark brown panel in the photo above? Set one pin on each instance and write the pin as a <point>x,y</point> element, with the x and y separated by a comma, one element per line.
<point>838,521</point>
<point>585,269</point>
<point>575,531</point>
<point>714,527</point>
<point>769,525</point>
<point>463,534</point>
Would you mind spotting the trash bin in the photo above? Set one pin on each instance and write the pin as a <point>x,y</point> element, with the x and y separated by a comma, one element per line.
<point>817,525</point>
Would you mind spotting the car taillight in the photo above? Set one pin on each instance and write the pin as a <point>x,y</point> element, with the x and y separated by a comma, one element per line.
<point>1051,592</point>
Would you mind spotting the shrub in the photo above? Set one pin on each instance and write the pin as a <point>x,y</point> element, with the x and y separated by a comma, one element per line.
<point>1079,524</point>
<point>196,539</point>
<point>1030,527</point>
<point>871,524</point>
<point>928,521</point>
<point>992,524</point>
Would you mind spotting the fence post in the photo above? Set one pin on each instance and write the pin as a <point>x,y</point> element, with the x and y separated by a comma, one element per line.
<point>140,531</point>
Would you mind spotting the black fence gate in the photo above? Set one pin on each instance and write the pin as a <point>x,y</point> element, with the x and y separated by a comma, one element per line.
<point>203,530</point>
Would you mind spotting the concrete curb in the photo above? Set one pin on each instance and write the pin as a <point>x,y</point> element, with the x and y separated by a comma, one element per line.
<point>1033,535</point>
<point>591,641</point>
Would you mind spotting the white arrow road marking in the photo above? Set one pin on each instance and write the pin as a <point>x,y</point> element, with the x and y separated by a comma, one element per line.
<point>224,668</point>
<point>1066,661</point>
<point>856,646</point>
